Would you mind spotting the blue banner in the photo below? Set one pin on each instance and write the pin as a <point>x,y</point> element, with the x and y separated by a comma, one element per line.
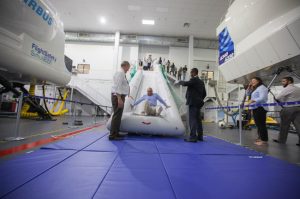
<point>226,46</point>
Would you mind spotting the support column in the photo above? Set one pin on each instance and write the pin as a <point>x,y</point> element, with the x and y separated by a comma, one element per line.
<point>191,53</point>
<point>116,52</point>
<point>190,66</point>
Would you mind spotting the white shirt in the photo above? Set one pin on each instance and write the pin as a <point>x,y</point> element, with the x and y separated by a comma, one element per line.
<point>120,83</point>
<point>149,60</point>
<point>290,93</point>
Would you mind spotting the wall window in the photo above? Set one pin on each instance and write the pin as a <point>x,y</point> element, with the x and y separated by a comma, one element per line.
<point>83,68</point>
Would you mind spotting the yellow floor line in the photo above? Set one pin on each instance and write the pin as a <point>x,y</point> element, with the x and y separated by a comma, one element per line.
<point>45,133</point>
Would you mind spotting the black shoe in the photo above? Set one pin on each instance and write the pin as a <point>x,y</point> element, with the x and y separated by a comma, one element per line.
<point>190,139</point>
<point>200,138</point>
<point>119,135</point>
<point>277,141</point>
<point>114,137</point>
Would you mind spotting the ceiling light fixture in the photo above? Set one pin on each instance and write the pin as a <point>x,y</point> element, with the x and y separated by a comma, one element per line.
<point>227,19</point>
<point>148,22</point>
<point>102,20</point>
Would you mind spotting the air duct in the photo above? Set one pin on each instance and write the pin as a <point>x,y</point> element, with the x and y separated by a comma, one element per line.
<point>141,40</point>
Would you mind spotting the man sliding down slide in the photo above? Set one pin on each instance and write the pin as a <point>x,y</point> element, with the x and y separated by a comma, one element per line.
<point>151,108</point>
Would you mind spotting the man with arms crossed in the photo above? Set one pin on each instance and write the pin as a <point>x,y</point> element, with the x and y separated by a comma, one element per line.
<point>289,114</point>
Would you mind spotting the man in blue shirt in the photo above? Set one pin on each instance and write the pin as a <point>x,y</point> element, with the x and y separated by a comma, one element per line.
<point>151,107</point>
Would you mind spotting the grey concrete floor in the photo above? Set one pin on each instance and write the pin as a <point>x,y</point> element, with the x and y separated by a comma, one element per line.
<point>33,130</point>
<point>289,152</point>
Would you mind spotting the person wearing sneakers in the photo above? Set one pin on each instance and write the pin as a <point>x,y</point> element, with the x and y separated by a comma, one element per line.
<point>151,108</point>
<point>119,90</point>
<point>289,114</point>
<point>259,95</point>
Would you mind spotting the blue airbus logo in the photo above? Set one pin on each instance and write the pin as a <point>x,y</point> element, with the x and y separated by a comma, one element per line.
<point>40,11</point>
<point>226,46</point>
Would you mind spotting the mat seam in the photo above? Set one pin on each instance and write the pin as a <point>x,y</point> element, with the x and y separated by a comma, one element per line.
<point>166,171</point>
<point>117,155</point>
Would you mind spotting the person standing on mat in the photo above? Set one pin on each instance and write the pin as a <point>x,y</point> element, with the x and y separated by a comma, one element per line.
<point>289,114</point>
<point>195,95</point>
<point>259,95</point>
<point>119,90</point>
<point>151,108</point>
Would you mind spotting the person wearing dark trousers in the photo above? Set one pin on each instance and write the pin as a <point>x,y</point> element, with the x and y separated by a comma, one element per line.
<point>184,71</point>
<point>172,67</point>
<point>179,73</point>
<point>195,95</point>
<point>290,114</point>
<point>160,60</point>
<point>149,62</point>
<point>120,89</point>
<point>259,95</point>
<point>168,66</point>
<point>260,116</point>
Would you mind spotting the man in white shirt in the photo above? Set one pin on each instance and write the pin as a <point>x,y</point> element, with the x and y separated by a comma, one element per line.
<point>119,90</point>
<point>289,114</point>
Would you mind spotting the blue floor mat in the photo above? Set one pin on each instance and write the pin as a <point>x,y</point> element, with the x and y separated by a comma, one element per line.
<point>77,142</point>
<point>140,146</point>
<point>104,144</point>
<point>206,176</point>
<point>76,177</point>
<point>138,161</point>
<point>150,167</point>
<point>124,183</point>
<point>210,146</point>
<point>15,172</point>
<point>127,145</point>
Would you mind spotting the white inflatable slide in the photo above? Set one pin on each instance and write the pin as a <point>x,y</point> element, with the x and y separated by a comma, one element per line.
<point>168,123</point>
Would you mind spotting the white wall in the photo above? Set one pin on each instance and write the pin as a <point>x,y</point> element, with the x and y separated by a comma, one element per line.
<point>155,51</point>
<point>179,55</point>
<point>128,53</point>
<point>205,54</point>
<point>100,57</point>
<point>204,58</point>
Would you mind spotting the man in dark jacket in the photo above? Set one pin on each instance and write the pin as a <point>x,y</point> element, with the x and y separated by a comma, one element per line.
<point>195,95</point>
